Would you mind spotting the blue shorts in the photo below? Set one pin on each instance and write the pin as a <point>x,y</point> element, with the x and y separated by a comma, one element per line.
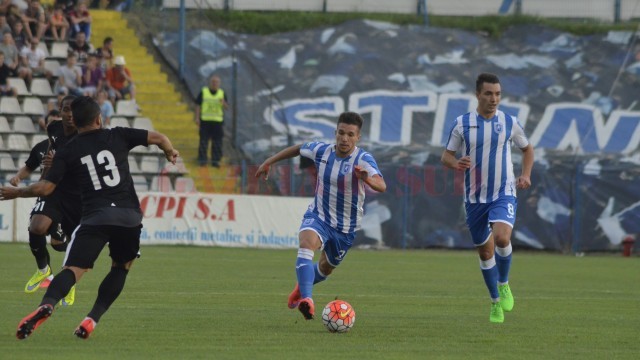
<point>480,216</point>
<point>335,243</point>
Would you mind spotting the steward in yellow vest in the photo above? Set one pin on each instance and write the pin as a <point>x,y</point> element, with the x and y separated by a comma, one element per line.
<point>210,106</point>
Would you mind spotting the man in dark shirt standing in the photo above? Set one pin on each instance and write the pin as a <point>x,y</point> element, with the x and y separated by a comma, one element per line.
<point>97,160</point>
<point>210,106</point>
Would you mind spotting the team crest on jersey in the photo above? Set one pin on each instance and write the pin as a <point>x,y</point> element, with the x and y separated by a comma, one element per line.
<point>497,127</point>
<point>345,168</point>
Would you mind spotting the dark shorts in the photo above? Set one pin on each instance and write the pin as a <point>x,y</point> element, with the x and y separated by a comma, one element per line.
<point>88,241</point>
<point>66,211</point>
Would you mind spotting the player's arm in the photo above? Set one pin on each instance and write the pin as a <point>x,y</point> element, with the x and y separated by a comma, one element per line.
<point>287,153</point>
<point>41,188</point>
<point>22,174</point>
<point>375,182</point>
<point>163,142</point>
<point>524,180</point>
<point>449,160</point>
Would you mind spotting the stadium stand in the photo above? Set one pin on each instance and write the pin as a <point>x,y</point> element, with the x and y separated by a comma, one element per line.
<point>161,183</point>
<point>4,125</point>
<point>143,123</point>
<point>119,121</point>
<point>18,142</point>
<point>185,185</point>
<point>6,162</point>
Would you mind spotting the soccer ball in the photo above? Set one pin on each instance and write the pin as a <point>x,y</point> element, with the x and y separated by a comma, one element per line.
<point>338,316</point>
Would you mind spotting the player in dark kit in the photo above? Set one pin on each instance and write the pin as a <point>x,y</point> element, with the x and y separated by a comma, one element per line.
<point>43,277</point>
<point>97,161</point>
<point>61,207</point>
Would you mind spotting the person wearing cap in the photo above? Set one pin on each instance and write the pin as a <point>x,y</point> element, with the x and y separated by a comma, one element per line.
<point>119,81</point>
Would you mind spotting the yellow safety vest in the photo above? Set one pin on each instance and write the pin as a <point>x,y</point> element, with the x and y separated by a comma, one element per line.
<point>212,107</point>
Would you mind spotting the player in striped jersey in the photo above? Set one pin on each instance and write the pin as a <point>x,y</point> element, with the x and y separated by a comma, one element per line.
<point>485,137</point>
<point>336,212</point>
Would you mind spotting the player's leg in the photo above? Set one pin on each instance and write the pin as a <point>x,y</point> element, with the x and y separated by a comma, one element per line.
<point>477,221</point>
<point>71,213</point>
<point>78,259</point>
<point>205,135</point>
<point>124,247</point>
<point>43,214</point>
<point>502,217</point>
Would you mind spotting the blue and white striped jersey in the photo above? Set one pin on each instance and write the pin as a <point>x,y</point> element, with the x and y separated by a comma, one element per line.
<point>340,194</point>
<point>488,143</point>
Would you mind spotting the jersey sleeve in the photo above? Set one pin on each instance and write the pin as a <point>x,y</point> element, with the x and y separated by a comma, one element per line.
<point>34,160</point>
<point>133,137</point>
<point>310,149</point>
<point>455,137</point>
<point>369,164</point>
<point>518,136</point>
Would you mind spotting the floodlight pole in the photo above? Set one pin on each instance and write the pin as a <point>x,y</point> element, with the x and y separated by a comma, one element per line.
<point>182,40</point>
<point>616,12</point>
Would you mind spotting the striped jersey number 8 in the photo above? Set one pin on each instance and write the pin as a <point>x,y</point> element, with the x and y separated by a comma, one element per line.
<point>104,156</point>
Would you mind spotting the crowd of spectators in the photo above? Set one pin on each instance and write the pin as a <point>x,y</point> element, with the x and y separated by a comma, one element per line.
<point>27,26</point>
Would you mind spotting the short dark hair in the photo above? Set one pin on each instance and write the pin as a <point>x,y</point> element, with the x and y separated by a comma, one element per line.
<point>108,39</point>
<point>67,98</point>
<point>50,114</point>
<point>486,78</point>
<point>351,118</point>
<point>85,110</point>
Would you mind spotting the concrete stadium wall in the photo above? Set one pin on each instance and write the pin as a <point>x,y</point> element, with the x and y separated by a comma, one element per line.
<point>597,9</point>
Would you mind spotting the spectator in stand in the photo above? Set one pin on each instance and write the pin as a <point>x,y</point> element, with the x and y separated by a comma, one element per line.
<point>81,20</point>
<point>34,20</point>
<point>32,58</point>
<point>4,25</point>
<point>81,47</point>
<point>58,24</point>
<point>119,81</point>
<point>106,108</point>
<point>4,6</point>
<point>105,54</point>
<point>92,76</point>
<point>69,77</point>
<point>5,73</point>
<point>10,53</point>
<point>20,36</point>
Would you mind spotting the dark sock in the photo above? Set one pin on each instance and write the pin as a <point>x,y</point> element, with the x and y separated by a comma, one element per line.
<point>109,290</point>
<point>38,245</point>
<point>59,287</point>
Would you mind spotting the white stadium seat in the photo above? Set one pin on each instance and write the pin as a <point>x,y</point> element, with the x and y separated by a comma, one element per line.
<point>4,125</point>
<point>143,123</point>
<point>19,85</point>
<point>140,183</point>
<point>41,87</point>
<point>6,162</point>
<point>44,48</point>
<point>59,50</point>
<point>133,165</point>
<point>18,142</point>
<point>126,108</point>
<point>150,164</point>
<point>119,121</point>
<point>10,105</point>
<point>32,106</point>
<point>23,124</point>
<point>52,66</point>
<point>36,138</point>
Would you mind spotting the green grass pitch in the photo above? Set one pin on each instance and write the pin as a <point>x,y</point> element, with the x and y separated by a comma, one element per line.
<point>223,303</point>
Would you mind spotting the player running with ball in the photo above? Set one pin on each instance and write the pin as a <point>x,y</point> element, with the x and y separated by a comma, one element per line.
<point>335,214</point>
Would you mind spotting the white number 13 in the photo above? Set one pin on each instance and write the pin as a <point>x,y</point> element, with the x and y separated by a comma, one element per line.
<point>104,156</point>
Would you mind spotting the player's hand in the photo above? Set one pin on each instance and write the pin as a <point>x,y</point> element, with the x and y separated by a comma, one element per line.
<point>263,171</point>
<point>524,182</point>
<point>361,173</point>
<point>8,193</point>
<point>15,181</point>
<point>464,163</point>
<point>47,160</point>
<point>172,156</point>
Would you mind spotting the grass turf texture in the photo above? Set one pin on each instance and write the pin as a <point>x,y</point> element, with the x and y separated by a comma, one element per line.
<point>222,303</point>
